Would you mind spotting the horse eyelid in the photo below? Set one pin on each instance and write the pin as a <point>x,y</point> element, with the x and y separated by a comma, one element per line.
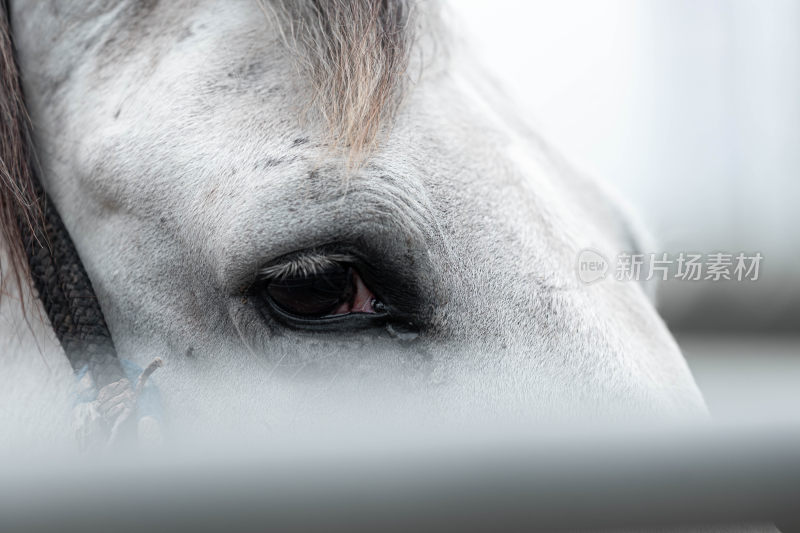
<point>305,264</point>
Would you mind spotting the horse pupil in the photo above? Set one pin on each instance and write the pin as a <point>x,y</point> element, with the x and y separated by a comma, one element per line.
<point>313,295</point>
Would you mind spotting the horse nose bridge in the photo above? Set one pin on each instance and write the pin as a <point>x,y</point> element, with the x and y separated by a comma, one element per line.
<point>493,300</point>
<point>509,275</point>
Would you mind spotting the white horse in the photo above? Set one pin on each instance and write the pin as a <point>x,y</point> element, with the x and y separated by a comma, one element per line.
<point>319,212</point>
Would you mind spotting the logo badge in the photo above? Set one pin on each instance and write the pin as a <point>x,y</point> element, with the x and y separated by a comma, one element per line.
<point>592,266</point>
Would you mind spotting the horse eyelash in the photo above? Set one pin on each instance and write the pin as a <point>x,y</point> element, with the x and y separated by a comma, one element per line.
<point>305,264</point>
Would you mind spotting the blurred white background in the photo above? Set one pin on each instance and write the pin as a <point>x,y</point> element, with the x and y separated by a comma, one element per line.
<point>690,109</point>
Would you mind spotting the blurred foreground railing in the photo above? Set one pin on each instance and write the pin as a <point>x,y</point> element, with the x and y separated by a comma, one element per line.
<point>689,477</point>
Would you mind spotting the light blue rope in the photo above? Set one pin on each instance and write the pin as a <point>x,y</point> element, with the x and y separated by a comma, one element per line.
<point>148,402</point>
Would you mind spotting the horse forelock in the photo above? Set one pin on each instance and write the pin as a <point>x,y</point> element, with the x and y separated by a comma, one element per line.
<point>356,53</point>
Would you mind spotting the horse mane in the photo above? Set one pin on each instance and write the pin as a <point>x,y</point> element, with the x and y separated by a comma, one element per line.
<point>356,52</point>
<point>20,204</point>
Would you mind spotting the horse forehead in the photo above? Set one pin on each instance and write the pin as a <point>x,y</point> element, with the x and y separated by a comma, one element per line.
<point>353,54</point>
<point>153,29</point>
<point>456,175</point>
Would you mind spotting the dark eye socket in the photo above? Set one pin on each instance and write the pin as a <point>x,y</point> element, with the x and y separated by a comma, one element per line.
<point>313,290</point>
<point>314,295</point>
<point>331,289</point>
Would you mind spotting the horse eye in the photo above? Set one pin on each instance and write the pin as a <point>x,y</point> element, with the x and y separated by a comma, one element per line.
<point>334,290</point>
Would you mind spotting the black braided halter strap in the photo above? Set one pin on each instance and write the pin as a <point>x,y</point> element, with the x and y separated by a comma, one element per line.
<point>68,297</point>
<point>55,267</point>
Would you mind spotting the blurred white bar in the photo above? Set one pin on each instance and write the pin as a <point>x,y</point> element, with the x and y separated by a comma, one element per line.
<point>724,476</point>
